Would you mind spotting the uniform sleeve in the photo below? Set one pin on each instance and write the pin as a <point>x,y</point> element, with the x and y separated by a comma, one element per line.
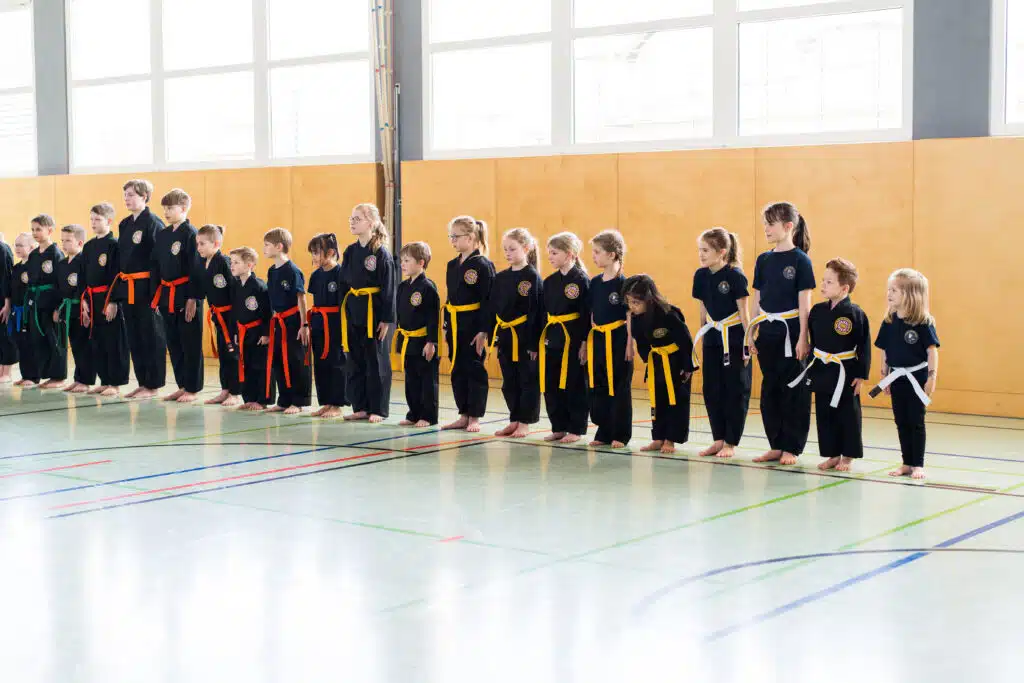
<point>263,301</point>
<point>193,267</point>
<point>586,303</point>
<point>739,285</point>
<point>811,318</point>
<point>535,322</point>
<point>863,345</point>
<point>5,276</point>
<point>758,273</point>
<point>697,284</point>
<point>432,309</point>
<point>154,267</point>
<point>930,337</point>
<point>300,282</point>
<point>388,285</point>
<point>489,307</point>
<point>882,336</point>
<point>805,274</point>
<point>680,334</point>
<point>643,347</point>
<point>486,277</point>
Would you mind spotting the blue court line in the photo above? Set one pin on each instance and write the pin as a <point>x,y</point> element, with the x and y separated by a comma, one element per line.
<point>860,578</point>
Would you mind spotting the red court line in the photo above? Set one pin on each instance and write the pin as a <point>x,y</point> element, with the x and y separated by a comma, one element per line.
<point>218,481</point>
<point>54,469</point>
<point>453,538</point>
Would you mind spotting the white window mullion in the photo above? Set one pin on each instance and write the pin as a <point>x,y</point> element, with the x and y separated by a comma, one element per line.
<point>561,77</point>
<point>156,15</point>
<point>261,89</point>
<point>726,47</point>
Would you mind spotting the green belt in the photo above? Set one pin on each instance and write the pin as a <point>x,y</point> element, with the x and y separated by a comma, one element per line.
<point>30,296</point>
<point>66,306</point>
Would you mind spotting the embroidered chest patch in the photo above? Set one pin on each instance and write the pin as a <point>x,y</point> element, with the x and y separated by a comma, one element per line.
<point>73,279</point>
<point>102,260</point>
<point>524,287</point>
<point>789,272</point>
<point>24,277</point>
<point>285,285</point>
<point>843,326</point>
<point>614,299</point>
<point>251,303</point>
<point>370,262</point>
<point>911,337</point>
<point>176,248</point>
<point>416,299</point>
<point>572,291</point>
<point>660,333</point>
<point>724,287</point>
<point>47,267</point>
<point>219,281</point>
<point>470,277</point>
<point>137,237</point>
<point>332,287</point>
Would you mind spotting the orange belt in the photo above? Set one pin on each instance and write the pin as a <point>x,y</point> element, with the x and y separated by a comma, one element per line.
<point>88,292</point>
<point>130,278</point>
<point>173,285</point>
<point>242,329</point>
<point>323,311</point>
<point>279,319</point>
<point>218,311</point>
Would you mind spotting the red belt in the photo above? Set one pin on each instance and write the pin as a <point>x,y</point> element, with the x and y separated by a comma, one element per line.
<point>130,278</point>
<point>279,319</point>
<point>323,311</point>
<point>242,329</point>
<point>217,311</point>
<point>173,285</point>
<point>88,292</point>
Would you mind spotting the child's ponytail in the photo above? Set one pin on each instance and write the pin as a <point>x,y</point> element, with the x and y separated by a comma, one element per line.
<point>785,212</point>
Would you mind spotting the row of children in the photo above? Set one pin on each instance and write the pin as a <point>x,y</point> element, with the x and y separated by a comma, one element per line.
<point>568,337</point>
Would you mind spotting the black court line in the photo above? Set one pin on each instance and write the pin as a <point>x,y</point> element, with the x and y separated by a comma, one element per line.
<point>67,409</point>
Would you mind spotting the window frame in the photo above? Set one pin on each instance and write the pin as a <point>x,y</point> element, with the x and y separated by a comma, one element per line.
<point>29,89</point>
<point>725,23</point>
<point>999,124</point>
<point>260,67</point>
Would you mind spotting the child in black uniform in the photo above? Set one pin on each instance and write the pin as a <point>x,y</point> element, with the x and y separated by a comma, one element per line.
<point>250,303</point>
<point>910,364</point>
<point>107,334</point>
<point>609,346</point>
<point>42,300</point>
<point>783,283</point>
<point>8,346</point>
<point>214,281</point>
<point>563,343</point>
<point>419,309</point>
<point>368,315</point>
<point>327,286</point>
<point>514,308</point>
<point>28,364</point>
<point>469,278</point>
<point>721,288</point>
<point>841,339</point>
<point>68,316</point>
<point>289,332</point>
<point>663,339</point>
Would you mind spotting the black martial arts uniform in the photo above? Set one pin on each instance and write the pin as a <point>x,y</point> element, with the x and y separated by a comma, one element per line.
<point>175,265</point>
<point>109,339</point>
<point>71,284</point>
<point>369,360</point>
<point>419,312</point>
<point>213,281</point>
<point>133,290</point>
<point>286,359</point>
<point>469,284</point>
<point>250,303</point>
<point>17,324</point>
<point>786,413</point>
<point>515,314</point>
<point>324,318</point>
<point>8,342</point>
<point>567,320</point>
<point>611,398</point>
<point>663,336</point>
<point>727,375</point>
<point>43,299</point>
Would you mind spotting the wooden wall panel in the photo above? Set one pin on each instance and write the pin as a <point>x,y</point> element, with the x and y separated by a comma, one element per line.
<point>20,200</point>
<point>322,199</point>
<point>248,202</point>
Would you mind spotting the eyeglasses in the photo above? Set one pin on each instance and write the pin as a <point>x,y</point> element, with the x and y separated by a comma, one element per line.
<point>454,236</point>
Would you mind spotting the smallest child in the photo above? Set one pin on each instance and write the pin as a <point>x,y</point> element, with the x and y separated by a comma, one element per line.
<point>68,316</point>
<point>17,322</point>
<point>416,339</point>
<point>250,303</point>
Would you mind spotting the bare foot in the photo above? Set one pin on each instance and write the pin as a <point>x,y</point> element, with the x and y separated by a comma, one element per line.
<point>174,395</point>
<point>569,438</point>
<point>770,456</point>
<point>109,392</point>
<point>555,436</point>
<point>473,425</point>
<point>251,407</point>
<point>917,473</point>
<point>29,384</point>
<point>275,409</point>
<point>20,382</point>
<point>422,423</point>
<point>727,452</point>
<point>406,423</point>
<point>521,431</point>
<point>133,393</point>
<point>376,419</point>
<point>97,390</point>
<point>361,415</point>
<point>68,388</point>
<point>232,401</point>
<point>845,464</point>
<point>597,444</point>
<point>186,398</point>
<point>318,412</point>
<point>458,424</point>
<point>901,471</point>
<point>668,447</point>
<point>787,459</point>
<point>713,449</point>
<point>505,431</point>
<point>146,393</point>
<point>652,446</point>
<point>829,464</point>
<point>53,384</point>
<point>618,444</point>
<point>331,412</point>
<point>292,410</point>
<point>218,399</point>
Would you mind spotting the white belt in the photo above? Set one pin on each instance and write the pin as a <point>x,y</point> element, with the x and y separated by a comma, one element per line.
<point>765,317</point>
<point>896,373</point>
<point>828,358</point>
<point>723,326</point>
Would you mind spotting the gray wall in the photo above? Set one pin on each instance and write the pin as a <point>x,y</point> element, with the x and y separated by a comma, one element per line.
<point>51,87</point>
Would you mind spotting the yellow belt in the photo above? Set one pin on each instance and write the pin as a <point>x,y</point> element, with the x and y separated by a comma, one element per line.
<point>723,326</point>
<point>408,334</point>
<point>773,318</point>
<point>365,291</point>
<point>502,325</point>
<point>828,358</point>
<point>556,320</point>
<point>607,331</point>
<point>666,365</point>
<point>453,312</point>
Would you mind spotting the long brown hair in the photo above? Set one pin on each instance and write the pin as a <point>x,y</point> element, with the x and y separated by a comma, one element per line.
<point>784,212</point>
<point>721,239</point>
<point>378,233</point>
<point>613,242</point>
<point>914,286</point>
<point>523,237</point>
<point>475,227</point>
<point>642,287</point>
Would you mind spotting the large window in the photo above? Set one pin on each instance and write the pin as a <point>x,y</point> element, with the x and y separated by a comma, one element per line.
<point>198,83</point>
<point>17,96</point>
<point>558,76</point>
<point>1008,67</point>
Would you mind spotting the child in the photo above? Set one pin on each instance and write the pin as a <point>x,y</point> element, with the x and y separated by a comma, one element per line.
<point>8,346</point>
<point>609,346</point>
<point>132,289</point>
<point>213,282</point>
<point>101,264</point>
<point>17,323</point>
<point>68,316</point>
<point>663,340</point>
<point>469,278</point>
<point>514,307</point>
<point>563,344</point>
<point>250,302</point>
<point>178,296</point>
<point>721,288</point>
<point>327,287</point>
<point>418,312</point>
<point>42,300</point>
<point>841,339</point>
<point>368,313</point>
<point>286,364</point>
<point>910,359</point>
<point>783,282</point>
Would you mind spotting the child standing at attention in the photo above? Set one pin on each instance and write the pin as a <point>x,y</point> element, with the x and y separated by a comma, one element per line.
<point>469,278</point>
<point>910,364</point>
<point>721,288</point>
<point>841,339</point>
<point>419,309</point>
<point>514,308</point>
<point>214,281</point>
<point>101,264</point>
<point>42,300</point>
<point>68,316</point>
<point>368,314</point>
<point>663,339</point>
<point>327,287</point>
<point>28,363</point>
<point>783,283</point>
<point>289,332</point>
<point>563,341</point>
<point>250,303</point>
<point>8,346</point>
<point>609,346</point>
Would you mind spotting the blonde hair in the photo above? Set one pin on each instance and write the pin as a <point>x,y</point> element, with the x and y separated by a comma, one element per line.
<point>914,286</point>
<point>212,232</point>
<point>104,209</point>
<point>143,188</point>
<point>569,243</point>
<point>613,242</point>
<point>177,197</point>
<point>721,239</point>
<point>74,229</point>
<point>476,227</point>
<point>246,255</point>
<point>279,236</point>
<point>378,233</point>
<point>25,237</point>
<point>44,220</point>
<point>523,237</point>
